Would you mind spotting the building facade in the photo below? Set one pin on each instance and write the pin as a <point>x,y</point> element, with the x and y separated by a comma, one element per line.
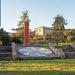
<point>42,30</point>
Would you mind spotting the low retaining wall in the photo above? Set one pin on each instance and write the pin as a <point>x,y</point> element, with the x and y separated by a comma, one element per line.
<point>10,52</point>
<point>73,45</point>
<point>58,51</point>
<point>69,51</point>
<point>5,52</point>
<point>69,54</point>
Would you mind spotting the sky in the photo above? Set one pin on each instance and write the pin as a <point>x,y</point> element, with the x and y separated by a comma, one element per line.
<point>41,12</point>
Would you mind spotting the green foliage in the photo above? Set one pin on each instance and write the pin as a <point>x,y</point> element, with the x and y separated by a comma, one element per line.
<point>20,29</point>
<point>32,34</point>
<point>59,23</point>
<point>16,40</point>
<point>73,34</point>
<point>70,35</point>
<point>4,37</point>
<point>70,38</point>
<point>58,28</point>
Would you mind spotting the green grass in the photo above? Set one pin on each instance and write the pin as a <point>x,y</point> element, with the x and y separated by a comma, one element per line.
<point>38,73</point>
<point>38,67</point>
<point>45,43</point>
<point>61,44</point>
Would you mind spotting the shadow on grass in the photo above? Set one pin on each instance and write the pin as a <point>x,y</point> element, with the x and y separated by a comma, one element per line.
<point>37,73</point>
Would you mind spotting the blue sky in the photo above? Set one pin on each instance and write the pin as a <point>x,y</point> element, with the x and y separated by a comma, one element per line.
<point>41,12</point>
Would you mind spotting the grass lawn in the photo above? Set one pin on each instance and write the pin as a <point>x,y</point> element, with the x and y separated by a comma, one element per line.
<point>38,67</point>
<point>45,43</point>
<point>61,44</point>
<point>38,73</point>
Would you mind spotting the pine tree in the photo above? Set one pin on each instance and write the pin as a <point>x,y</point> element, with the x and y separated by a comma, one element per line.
<point>58,28</point>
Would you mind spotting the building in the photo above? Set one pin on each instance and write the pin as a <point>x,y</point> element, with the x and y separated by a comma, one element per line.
<point>42,30</point>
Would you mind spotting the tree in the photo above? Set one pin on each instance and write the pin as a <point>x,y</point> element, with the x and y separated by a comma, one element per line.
<point>68,34</point>
<point>4,37</point>
<point>58,28</point>
<point>19,30</point>
<point>16,40</point>
<point>73,34</point>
